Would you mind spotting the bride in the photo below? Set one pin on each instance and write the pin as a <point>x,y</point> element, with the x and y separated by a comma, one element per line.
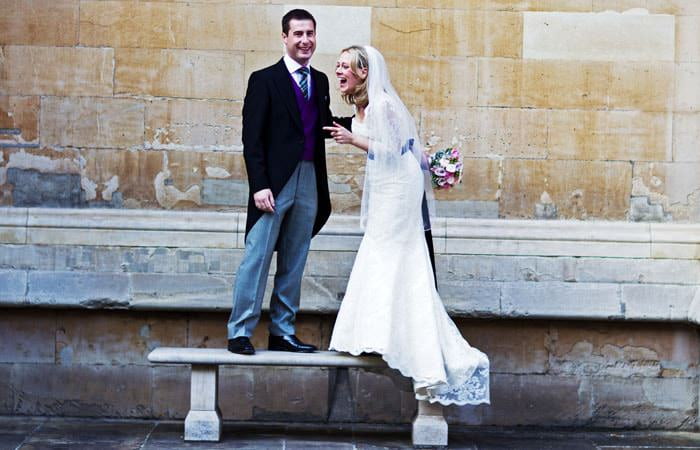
<point>391,306</point>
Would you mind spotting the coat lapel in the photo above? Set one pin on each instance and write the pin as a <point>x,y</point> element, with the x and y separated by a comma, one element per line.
<point>286,91</point>
<point>321,92</point>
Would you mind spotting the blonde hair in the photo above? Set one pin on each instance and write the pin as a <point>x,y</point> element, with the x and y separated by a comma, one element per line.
<point>358,62</point>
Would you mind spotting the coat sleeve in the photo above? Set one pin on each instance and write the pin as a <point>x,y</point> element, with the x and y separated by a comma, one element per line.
<point>256,108</point>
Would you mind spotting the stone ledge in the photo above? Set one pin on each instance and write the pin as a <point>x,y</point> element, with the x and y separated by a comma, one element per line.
<point>186,261</point>
<point>184,229</point>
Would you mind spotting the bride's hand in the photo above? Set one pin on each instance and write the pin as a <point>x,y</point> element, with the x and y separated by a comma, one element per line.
<point>340,134</point>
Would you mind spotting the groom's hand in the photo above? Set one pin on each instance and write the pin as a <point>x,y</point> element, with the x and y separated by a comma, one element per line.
<point>264,200</point>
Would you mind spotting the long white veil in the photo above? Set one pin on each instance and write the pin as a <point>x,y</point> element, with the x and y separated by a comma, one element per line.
<point>392,132</point>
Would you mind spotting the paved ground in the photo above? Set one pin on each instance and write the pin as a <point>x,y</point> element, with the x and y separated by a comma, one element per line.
<point>59,433</point>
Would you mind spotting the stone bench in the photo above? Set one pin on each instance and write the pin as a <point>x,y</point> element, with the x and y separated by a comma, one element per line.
<point>203,422</point>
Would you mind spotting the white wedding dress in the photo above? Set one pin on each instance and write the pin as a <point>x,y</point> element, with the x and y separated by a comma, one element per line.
<point>391,306</point>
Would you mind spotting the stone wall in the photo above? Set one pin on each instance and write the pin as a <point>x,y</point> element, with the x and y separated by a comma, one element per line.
<point>589,324</point>
<point>586,109</point>
<point>544,373</point>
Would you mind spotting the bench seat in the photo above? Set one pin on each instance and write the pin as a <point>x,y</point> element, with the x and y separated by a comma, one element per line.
<point>204,423</point>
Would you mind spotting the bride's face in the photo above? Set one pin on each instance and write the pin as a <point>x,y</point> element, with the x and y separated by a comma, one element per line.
<point>347,79</point>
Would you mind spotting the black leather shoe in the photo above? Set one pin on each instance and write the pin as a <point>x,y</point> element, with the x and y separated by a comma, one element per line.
<point>241,345</point>
<point>289,344</point>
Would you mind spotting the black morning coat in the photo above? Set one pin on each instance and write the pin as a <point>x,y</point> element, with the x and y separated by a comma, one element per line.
<point>273,136</point>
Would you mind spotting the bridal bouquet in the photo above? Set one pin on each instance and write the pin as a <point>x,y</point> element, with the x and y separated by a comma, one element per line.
<point>445,168</point>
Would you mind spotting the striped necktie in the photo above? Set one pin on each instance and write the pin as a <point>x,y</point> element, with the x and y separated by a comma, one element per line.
<point>304,82</point>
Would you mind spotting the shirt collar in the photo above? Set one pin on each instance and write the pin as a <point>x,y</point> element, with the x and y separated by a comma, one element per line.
<point>292,66</point>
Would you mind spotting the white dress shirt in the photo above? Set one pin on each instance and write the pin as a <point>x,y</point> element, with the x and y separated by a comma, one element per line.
<point>292,67</point>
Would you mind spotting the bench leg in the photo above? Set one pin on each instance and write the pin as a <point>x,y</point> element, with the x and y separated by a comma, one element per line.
<point>203,422</point>
<point>429,425</point>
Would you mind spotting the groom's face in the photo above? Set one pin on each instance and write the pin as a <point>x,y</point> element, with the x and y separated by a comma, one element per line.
<point>300,41</point>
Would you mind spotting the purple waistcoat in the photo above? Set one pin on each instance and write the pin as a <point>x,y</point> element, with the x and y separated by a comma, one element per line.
<point>309,118</point>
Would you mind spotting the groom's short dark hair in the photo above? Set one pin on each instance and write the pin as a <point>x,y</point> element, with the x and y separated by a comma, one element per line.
<point>296,14</point>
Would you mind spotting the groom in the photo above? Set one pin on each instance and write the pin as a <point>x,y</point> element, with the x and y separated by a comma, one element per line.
<point>284,109</point>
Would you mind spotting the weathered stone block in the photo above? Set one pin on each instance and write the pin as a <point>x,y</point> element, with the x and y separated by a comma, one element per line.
<point>45,160</point>
<point>92,122</point>
<point>7,400</point>
<point>646,86</point>
<point>475,33</point>
<point>641,210</point>
<point>27,257</point>
<point>580,189</point>
<point>624,350</point>
<point>346,181</point>
<point>39,22</point>
<point>487,132</point>
<point>679,7</point>
<point>609,135</point>
<point>171,288</point>
<point>675,186</point>
<point>402,31</point>
<point>660,271</point>
<point>528,400</point>
<point>27,336</point>
<point>512,346</point>
<point>320,294</point>
<point>65,71</point>
<point>329,263</point>
<point>499,82</point>
<point>522,299</point>
<point>171,388</point>
<point>499,5</point>
<point>155,178</point>
<point>131,173</point>
<point>115,337</point>
<point>19,121</point>
<point>79,390</point>
<point>469,298</point>
<point>225,192</point>
<point>604,36</point>
<point>33,188</point>
<point>337,26</point>
<point>508,268</point>
<point>434,83</point>
<point>125,24</point>
<point>688,38</point>
<point>217,261</point>
<point>651,403</point>
<point>480,182</point>
<point>195,25</point>
<point>89,290</point>
<point>13,286</point>
<point>686,137</point>
<point>576,85</point>
<point>193,124</point>
<point>660,302</point>
<point>180,73</point>
<point>467,208</point>
<point>687,87</point>
<point>393,405</point>
<point>273,394</point>
<point>236,27</point>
